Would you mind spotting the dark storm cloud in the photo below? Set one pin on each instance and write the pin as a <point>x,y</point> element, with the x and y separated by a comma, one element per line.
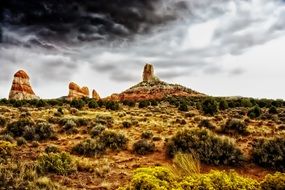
<point>85,20</point>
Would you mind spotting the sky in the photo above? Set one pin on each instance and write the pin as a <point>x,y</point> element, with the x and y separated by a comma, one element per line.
<point>217,47</point>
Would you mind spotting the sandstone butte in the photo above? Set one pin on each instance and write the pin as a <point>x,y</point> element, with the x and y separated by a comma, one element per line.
<point>75,92</point>
<point>21,88</point>
<point>152,87</point>
<point>95,95</point>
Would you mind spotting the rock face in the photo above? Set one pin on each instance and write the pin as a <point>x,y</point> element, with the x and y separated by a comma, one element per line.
<point>75,92</point>
<point>153,88</point>
<point>21,88</point>
<point>95,95</point>
<point>148,73</point>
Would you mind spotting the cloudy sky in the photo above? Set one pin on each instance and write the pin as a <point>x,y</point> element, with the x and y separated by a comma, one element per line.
<point>218,47</point>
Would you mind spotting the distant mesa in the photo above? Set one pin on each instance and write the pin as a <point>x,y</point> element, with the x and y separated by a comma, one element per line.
<point>153,88</point>
<point>75,92</point>
<point>21,88</point>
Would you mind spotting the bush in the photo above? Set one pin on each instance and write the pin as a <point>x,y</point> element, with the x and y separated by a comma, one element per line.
<point>21,141</point>
<point>246,103</point>
<point>129,103</point>
<point>270,153</point>
<point>147,135</point>
<point>272,182</point>
<point>127,124</point>
<point>254,112</point>
<point>223,105</point>
<point>89,147</point>
<point>207,124</point>
<point>93,104</point>
<point>143,147</point>
<point>41,103</point>
<point>209,148</point>
<point>234,126</point>
<point>210,106</point>
<point>18,128</point>
<point>70,126</point>
<point>113,140</point>
<point>183,107</point>
<point>273,110</point>
<point>218,180</point>
<point>51,149</point>
<point>153,103</point>
<point>5,150</point>
<point>2,122</point>
<point>144,103</point>
<point>58,163</point>
<point>78,104</point>
<point>156,178</point>
<point>22,176</point>
<point>112,106</point>
<point>44,131</point>
<point>97,130</point>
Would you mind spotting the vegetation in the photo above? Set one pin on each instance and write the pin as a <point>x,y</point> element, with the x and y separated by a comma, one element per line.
<point>210,106</point>
<point>270,153</point>
<point>254,112</point>
<point>89,147</point>
<point>143,147</point>
<point>209,148</point>
<point>234,126</point>
<point>58,163</point>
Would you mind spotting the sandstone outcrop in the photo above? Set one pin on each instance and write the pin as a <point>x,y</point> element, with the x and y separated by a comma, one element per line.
<point>148,73</point>
<point>95,95</point>
<point>21,88</point>
<point>75,92</point>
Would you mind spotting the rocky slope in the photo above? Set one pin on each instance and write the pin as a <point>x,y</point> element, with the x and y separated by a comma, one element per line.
<point>21,88</point>
<point>153,88</point>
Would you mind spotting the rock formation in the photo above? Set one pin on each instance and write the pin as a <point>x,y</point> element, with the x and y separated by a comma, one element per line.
<point>75,92</point>
<point>21,88</point>
<point>148,73</point>
<point>95,95</point>
<point>153,88</point>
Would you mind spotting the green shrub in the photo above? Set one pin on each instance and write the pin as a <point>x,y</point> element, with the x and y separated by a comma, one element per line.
<point>218,180</point>
<point>143,147</point>
<point>58,163</point>
<point>89,147</point>
<point>270,153</point>
<point>127,124</point>
<point>18,128</point>
<point>207,124</point>
<point>113,140</point>
<point>22,176</point>
<point>51,149</point>
<point>153,103</point>
<point>254,112</point>
<point>97,130</point>
<point>144,103</point>
<point>273,110</point>
<point>44,131</point>
<point>3,122</point>
<point>112,105</point>
<point>246,103</point>
<point>156,178</point>
<point>273,182</point>
<point>209,148</point>
<point>21,141</point>
<point>147,135</point>
<point>234,126</point>
<point>41,103</point>
<point>70,126</point>
<point>5,150</point>
<point>104,120</point>
<point>210,106</point>
<point>183,107</point>
<point>78,104</point>
<point>223,104</point>
<point>129,103</point>
<point>93,104</point>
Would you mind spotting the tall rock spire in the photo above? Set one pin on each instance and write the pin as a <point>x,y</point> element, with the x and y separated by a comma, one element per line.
<point>148,73</point>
